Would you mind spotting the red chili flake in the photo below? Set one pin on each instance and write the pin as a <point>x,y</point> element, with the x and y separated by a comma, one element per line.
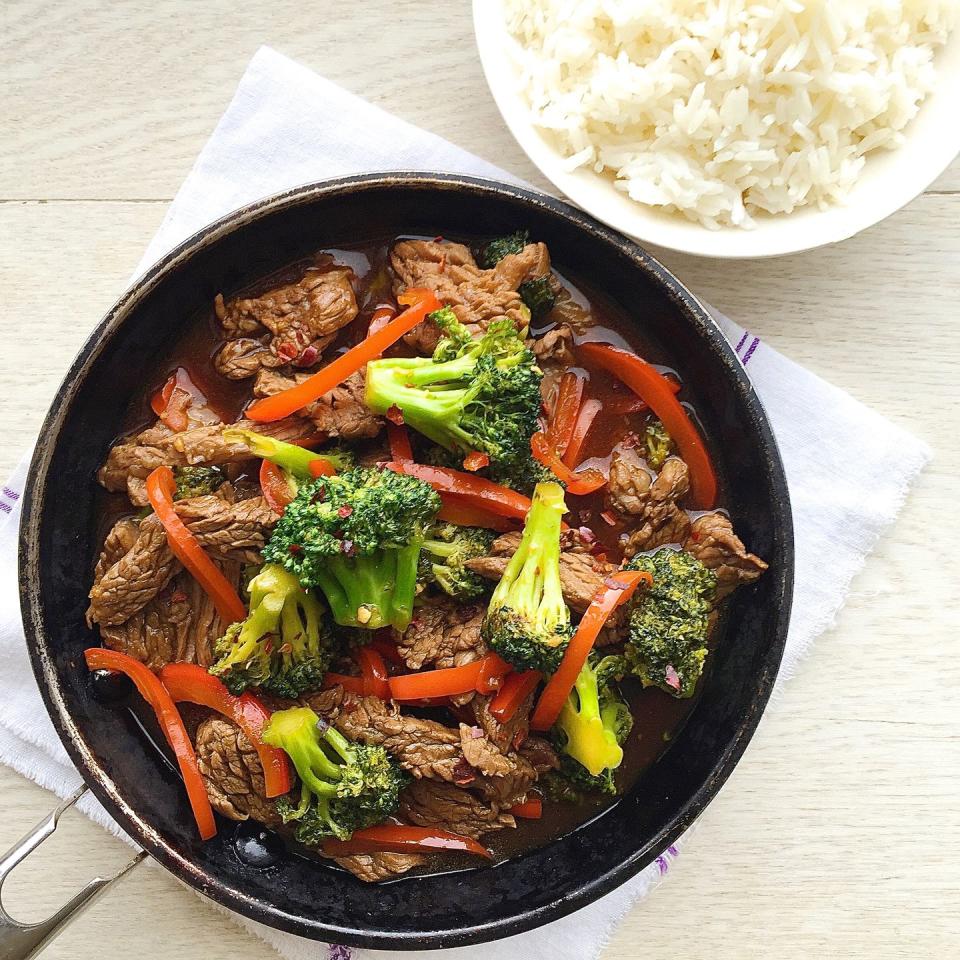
<point>344,511</point>
<point>295,549</point>
<point>518,738</point>
<point>475,461</point>
<point>178,596</point>
<point>671,677</point>
<point>695,536</point>
<point>308,357</point>
<point>287,648</point>
<point>268,645</point>
<point>463,773</point>
<point>630,440</point>
<point>438,239</point>
<point>607,517</point>
<point>287,350</point>
<point>395,415</point>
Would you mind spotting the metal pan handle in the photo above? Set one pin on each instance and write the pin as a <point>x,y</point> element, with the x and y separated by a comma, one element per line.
<point>20,941</point>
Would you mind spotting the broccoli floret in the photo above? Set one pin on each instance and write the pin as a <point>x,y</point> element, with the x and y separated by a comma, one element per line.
<point>443,558</point>
<point>196,481</point>
<point>538,296</point>
<point>497,249</point>
<point>527,622</point>
<point>478,395</point>
<point>284,646</point>
<point>593,726</point>
<point>657,443</point>
<point>357,536</point>
<point>667,642</point>
<point>344,786</point>
<point>294,460</point>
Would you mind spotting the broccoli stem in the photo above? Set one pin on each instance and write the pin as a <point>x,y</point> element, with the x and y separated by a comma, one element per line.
<point>531,581</point>
<point>288,456</point>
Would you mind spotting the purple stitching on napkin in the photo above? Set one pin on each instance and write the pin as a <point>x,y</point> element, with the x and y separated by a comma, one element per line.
<point>12,494</point>
<point>743,340</point>
<point>753,346</point>
<point>339,952</point>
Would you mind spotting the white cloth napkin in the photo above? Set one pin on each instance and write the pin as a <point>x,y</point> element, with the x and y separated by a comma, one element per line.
<point>848,468</point>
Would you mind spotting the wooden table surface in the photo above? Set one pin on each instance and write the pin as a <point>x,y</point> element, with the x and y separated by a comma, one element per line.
<point>838,834</point>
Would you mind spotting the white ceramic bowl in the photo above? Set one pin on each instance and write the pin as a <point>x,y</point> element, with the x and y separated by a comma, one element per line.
<point>889,180</point>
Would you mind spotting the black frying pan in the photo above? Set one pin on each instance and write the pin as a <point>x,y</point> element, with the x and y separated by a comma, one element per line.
<point>146,796</point>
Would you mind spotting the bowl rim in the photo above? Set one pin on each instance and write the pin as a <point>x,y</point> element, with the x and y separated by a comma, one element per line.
<point>136,824</point>
<point>871,200</point>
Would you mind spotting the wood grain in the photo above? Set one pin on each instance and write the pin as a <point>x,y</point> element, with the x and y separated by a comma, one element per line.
<point>838,834</point>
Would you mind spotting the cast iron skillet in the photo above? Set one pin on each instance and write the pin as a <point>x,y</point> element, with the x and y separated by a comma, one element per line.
<point>58,552</point>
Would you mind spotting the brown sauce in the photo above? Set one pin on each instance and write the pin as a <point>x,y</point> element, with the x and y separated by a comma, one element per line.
<point>657,716</point>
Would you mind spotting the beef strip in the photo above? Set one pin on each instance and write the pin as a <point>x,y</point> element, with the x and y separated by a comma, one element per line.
<point>713,542</point>
<point>504,736</point>
<point>340,413</point>
<point>180,624</point>
<point>476,296</point>
<point>428,749</point>
<point>373,867</point>
<point>484,755</point>
<point>300,320</point>
<point>232,773</point>
<point>651,502</point>
<point>443,633</point>
<point>540,754</point>
<point>555,348</point>
<point>429,803</point>
<point>136,458</point>
<point>230,531</point>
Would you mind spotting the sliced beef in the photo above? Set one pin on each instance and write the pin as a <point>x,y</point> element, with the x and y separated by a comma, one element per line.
<point>428,749</point>
<point>540,754</point>
<point>137,457</point>
<point>504,736</point>
<point>555,348</point>
<point>232,773</point>
<point>510,787</point>
<point>443,633</point>
<point>477,296</point>
<point>713,542</point>
<point>230,531</point>
<point>296,322</point>
<point>431,803</point>
<point>340,413</point>
<point>484,755</point>
<point>373,867</point>
<point>649,502</point>
<point>180,624</point>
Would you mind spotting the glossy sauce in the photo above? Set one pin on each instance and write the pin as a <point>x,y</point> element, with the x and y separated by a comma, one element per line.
<point>657,716</point>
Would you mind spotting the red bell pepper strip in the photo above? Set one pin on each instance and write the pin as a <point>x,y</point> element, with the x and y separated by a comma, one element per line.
<point>579,484</point>
<point>400,448</point>
<point>617,589</point>
<point>191,683</point>
<point>160,490</point>
<point>492,673</point>
<point>531,809</point>
<point>374,673</point>
<point>349,683</point>
<point>446,682</point>
<point>585,416</point>
<point>153,691</point>
<point>475,460</point>
<point>653,387</point>
<point>401,838</point>
<point>321,467</point>
<point>276,487</point>
<point>283,404</point>
<point>476,491</point>
<point>454,509</point>
<point>565,411</point>
<point>516,688</point>
<point>387,649</point>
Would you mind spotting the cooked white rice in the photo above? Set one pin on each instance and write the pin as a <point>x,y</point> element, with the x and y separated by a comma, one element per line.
<point>721,109</point>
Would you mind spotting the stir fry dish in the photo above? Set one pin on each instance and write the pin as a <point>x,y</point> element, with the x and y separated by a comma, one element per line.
<point>414,553</point>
